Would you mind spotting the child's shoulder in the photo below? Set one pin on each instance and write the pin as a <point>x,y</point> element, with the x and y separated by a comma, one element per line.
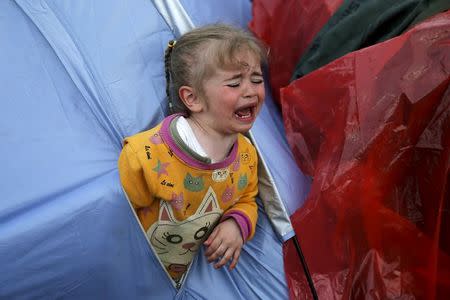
<point>245,144</point>
<point>144,137</point>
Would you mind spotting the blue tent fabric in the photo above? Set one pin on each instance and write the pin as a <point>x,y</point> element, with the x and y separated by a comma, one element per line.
<point>76,78</point>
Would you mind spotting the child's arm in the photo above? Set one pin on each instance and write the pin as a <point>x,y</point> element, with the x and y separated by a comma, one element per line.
<point>132,177</point>
<point>237,226</point>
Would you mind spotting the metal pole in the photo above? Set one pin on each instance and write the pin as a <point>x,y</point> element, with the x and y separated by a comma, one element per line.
<point>305,268</point>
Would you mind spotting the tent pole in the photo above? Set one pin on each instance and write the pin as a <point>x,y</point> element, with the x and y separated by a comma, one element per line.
<point>305,268</point>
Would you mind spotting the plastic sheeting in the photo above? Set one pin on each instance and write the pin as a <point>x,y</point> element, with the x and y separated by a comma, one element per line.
<point>373,129</point>
<point>76,77</point>
<point>361,23</point>
<point>288,27</point>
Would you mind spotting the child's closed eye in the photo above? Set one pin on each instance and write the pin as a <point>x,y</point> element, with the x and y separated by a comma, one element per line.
<point>256,78</point>
<point>234,84</point>
<point>257,81</point>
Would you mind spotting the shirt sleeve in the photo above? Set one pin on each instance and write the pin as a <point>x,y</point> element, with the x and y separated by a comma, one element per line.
<point>132,177</point>
<point>245,211</point>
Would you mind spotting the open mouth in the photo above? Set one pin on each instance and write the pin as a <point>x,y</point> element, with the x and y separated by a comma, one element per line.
<point>246,113</point>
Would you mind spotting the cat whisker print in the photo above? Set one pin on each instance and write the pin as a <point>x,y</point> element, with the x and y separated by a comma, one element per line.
<point>162,244</point>
<point>158,248</point>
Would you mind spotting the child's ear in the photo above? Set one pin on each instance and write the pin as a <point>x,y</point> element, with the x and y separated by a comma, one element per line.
<point>190,98</point>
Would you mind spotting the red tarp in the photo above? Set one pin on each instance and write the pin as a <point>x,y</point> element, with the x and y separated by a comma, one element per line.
<point>288,27</point>
<point>373,129</point>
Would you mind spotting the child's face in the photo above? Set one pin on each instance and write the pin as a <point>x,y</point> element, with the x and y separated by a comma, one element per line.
<point>233,96</point>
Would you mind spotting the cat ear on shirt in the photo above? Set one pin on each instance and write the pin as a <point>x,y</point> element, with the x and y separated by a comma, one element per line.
<point>165,213</point>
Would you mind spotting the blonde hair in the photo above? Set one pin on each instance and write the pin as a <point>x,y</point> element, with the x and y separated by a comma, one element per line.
<point>196,55</point>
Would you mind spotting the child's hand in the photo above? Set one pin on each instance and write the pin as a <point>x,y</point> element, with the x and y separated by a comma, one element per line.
<point>225,242</point>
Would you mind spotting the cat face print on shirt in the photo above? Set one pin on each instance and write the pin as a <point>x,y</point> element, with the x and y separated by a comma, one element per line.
<point>220,175</point>
<point>192,183</point>
<point>156,139</point>
<point>177,201</point>
<point>176,242</point>
<point>245,157</point>
<point>227,194</point>
<point>242,182</point>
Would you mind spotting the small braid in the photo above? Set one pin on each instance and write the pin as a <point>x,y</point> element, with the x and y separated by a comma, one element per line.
<point>167,71</point>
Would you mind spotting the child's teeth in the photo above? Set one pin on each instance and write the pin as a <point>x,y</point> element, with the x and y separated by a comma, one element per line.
<point>244,113</point>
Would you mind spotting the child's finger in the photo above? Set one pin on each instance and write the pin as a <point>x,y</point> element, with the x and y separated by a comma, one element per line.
<point>213,246</point>
<point>236,256</point>
<point>220,251</point>
<point>225,258</point>
<point>211,237</point>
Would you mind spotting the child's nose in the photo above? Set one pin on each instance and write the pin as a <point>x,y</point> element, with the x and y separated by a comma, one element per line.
<point>250,90</point>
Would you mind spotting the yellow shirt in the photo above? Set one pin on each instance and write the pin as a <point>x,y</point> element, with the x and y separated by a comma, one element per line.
<point>179,199</point>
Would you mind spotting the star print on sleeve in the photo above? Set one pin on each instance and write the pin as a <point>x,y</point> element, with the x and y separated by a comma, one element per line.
<point>161,168</point>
